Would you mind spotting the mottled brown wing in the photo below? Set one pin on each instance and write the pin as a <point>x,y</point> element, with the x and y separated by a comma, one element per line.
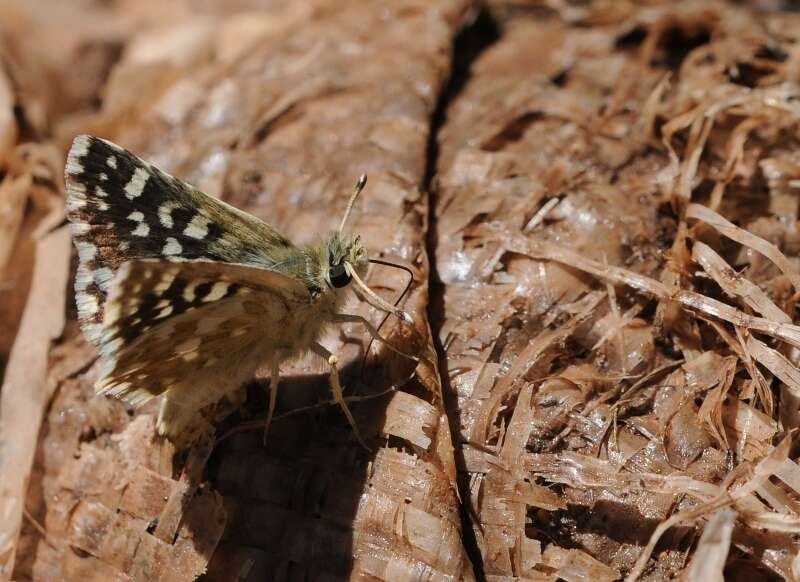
<point>121,208</point>
<point>193,327</point>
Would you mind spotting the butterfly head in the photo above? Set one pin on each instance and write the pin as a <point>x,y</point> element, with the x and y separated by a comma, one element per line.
<point>346,255</point>
<point>347,262</point>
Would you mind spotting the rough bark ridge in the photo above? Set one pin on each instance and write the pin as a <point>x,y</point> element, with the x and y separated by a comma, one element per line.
<point>617,382</point>
<point>280,126</point>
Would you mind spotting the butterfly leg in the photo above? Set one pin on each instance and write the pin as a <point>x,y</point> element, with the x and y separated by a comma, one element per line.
<point>274,379</point>
<point>348,318</point>
<point>336,387</point>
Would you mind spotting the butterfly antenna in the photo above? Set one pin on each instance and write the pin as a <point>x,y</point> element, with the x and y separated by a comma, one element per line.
<point>374,299</point>
<point>362,181</point>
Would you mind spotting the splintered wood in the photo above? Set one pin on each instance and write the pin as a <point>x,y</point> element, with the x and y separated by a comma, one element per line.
<point>617,238</point>
<point>613,230</point>
<point>24,394</point>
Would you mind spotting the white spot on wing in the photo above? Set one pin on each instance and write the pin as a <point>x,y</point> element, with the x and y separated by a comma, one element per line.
<point>188,292</point>
<point>82,278</point>
<point>112,162</point>
<point>79,228</point>
<point>165,213</point>
<point>142,229</point>
<point>92,331</point>
<point>87,304</point>
<point>136,215</point>
<point>134,188</point>
<point>173,247</point>
<point>79,149</point>
<point>111,347</point>
<point>76,202</point>
<point>217,291</point>
<point>76,197</point>
<point>102,277</point>
<point>197,227</point>
<point>86,251</point>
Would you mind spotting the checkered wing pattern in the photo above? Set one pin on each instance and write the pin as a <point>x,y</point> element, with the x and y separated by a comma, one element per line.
<point>121,208</point>
<point>192,330</point>
<point>181,292</point>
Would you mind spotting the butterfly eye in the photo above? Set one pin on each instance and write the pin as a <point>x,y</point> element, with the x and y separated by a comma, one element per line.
<point>339,276</point>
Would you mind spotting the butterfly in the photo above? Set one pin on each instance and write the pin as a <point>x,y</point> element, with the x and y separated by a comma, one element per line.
<point>187,297</point>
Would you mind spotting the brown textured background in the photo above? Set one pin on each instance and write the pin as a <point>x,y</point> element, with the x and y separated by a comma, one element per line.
<point>601,352</point>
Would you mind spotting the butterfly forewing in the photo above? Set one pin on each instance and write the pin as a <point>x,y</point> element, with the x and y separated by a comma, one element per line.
<point>122,208</point>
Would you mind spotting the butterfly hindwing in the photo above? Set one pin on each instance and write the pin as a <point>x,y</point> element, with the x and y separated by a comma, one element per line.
<point>146,293</point>
<point>189,329</point>
<point>122,208</point>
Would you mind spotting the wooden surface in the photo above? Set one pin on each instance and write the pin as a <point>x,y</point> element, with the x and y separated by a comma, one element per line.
<point>598,204</point>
